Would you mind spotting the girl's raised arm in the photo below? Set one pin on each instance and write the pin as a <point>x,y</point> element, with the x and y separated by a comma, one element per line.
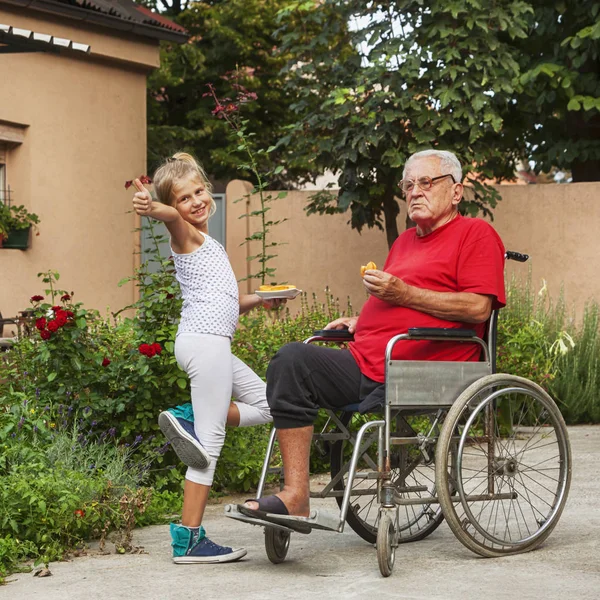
<point>180,230</point>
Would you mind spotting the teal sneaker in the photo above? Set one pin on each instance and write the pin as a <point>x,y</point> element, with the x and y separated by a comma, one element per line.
<point>178,428</point>
<point>191,546</point>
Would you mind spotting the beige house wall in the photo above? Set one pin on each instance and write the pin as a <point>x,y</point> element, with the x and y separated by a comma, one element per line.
<point>82,121</point>
<point>555,224</point>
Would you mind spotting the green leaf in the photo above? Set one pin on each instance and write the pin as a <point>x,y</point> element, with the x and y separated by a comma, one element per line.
<point>589,103</point>
<point>52,376</point>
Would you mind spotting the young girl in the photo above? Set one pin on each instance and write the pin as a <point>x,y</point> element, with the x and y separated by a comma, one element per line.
<point>211,306</point>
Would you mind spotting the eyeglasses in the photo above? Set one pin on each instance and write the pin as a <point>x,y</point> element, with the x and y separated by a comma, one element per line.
<point>425,183</point>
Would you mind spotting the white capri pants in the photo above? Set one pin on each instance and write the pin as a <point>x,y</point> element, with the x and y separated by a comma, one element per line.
<point>215,376</point>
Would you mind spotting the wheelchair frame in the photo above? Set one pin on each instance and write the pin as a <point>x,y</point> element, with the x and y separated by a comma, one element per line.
<point>466,404</point>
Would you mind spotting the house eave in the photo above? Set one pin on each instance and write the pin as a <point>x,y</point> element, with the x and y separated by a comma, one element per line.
<point>100,19</point>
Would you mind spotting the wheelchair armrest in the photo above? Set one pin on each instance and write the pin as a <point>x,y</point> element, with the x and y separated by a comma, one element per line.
<point>510,255</point>
<point>334,335</point>
<point>441,332</point>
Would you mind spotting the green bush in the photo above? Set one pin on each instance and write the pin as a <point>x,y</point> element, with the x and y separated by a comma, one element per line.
<point>577,381</point>
<point>540,340</point>
<point>60,488</point>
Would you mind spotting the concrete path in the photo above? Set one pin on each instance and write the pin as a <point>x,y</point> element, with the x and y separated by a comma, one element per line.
<point>329,565</point>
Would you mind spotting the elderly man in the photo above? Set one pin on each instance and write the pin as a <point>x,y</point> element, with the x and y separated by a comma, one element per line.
<point>446,272</point>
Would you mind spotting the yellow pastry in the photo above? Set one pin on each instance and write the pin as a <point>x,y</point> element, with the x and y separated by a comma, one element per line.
<point>368,267</point>
<point>275,288</point>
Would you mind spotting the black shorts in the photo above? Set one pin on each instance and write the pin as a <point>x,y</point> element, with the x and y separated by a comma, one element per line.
<point>302,378</point>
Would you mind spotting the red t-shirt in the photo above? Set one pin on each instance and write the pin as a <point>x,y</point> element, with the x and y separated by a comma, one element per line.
<point>464,255</point>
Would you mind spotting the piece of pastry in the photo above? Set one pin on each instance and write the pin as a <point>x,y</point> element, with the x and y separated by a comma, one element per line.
<point>275,288</point>
<point>368,267</point>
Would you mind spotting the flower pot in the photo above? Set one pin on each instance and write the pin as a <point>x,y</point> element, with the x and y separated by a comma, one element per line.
<point>18,239</point>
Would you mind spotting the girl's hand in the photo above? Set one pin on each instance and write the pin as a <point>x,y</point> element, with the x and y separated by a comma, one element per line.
<point>142,200</point>
<point>274,303</point>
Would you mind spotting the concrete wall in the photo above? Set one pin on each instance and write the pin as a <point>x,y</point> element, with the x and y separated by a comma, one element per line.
<point>82,119</point>
<point>555,224</point>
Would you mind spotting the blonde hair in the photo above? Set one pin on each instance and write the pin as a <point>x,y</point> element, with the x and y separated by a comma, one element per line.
<point>174,169</point>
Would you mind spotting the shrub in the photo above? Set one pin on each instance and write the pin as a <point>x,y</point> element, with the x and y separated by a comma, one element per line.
<point>538,339</point>
<point>63,487</point>
<point>577,381</point>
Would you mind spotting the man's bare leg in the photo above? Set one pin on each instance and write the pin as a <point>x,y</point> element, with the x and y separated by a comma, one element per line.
<point>294,445</point>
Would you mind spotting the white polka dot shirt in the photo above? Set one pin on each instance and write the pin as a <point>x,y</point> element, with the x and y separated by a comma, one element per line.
<point>209,289</point>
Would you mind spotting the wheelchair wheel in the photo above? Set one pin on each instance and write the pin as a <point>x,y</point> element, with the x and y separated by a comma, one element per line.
<point>386,543</point>
<point>411,467</point>
<point>277,543</point>
<point>512,467</point>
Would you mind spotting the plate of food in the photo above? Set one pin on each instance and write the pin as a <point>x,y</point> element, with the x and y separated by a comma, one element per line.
<point>270,292</point>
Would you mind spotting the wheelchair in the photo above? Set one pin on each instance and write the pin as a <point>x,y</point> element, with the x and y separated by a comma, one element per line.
<point>488,452</point>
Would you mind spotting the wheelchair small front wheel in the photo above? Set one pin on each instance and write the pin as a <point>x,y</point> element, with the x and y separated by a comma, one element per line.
<point>386,543</point>
<point>277,543</point>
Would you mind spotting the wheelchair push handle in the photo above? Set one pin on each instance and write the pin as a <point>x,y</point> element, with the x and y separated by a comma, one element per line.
<point>510,255</point>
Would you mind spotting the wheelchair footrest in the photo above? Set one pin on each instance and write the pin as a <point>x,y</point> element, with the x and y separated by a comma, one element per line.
<point>235,514</point>
<point>317,520</point>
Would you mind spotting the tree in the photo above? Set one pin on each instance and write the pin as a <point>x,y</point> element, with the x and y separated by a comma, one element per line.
<point>496,81</point>
<point>225,37</point>
<point>169,7</point>
<point>408,76</point>
<point>558,111</point>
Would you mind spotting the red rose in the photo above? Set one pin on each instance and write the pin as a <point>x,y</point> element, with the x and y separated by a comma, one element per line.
<point>156,347</point>
<point>55,308</point>
<point>151,351</point>
<point>45,334</point>
<point>169,296</point>
<point>145,179</point>
<point>69,313</point>
<point>61,318</point>
<point>105,362</point>
<point>53,325</point>
<point>65,297</point>
<point>144,349</point>
<point>79,513</point>
<point>36,298</point>
<point>41,323</point>
<point>128,184</point>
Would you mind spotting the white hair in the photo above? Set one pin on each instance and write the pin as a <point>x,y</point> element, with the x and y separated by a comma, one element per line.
<point>448,162</point>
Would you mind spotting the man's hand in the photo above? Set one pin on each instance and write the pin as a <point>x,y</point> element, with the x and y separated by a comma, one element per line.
<point>142,200</point>
<point>343,323</point>
<point>386,287</point>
